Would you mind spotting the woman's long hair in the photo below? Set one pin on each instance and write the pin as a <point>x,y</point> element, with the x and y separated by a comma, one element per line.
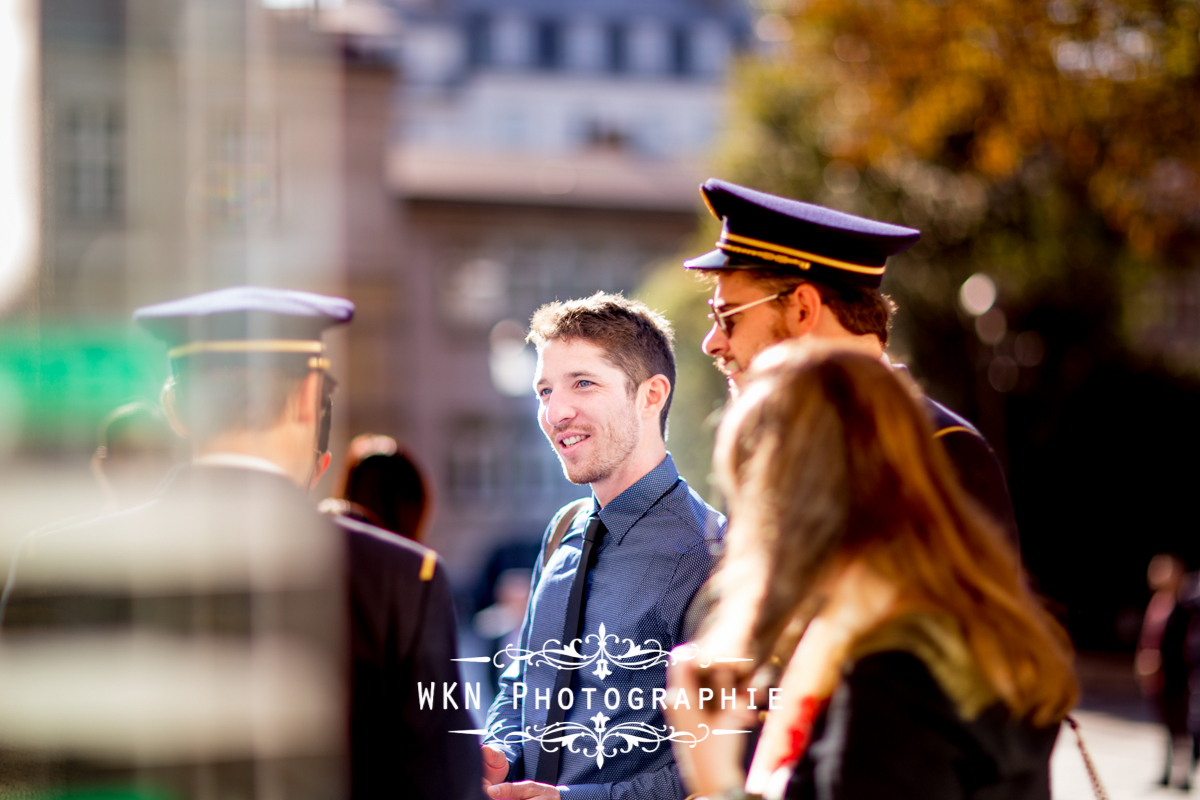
<point>826,458</point>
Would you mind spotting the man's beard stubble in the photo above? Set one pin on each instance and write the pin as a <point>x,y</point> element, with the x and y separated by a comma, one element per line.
<point>612,445</point>
<point>729,366</point>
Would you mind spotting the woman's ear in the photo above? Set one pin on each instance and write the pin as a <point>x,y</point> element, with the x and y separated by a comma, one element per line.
<point>167,398</point>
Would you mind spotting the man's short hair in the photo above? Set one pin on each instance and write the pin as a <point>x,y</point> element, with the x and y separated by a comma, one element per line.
<point>220,399</point>
<point>635,339</point>
<point>860,309</point>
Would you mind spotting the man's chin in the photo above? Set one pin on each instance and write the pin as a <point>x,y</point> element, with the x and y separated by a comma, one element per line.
<point>731,369</point>
<point>734,376</point>
<point>580,475</point>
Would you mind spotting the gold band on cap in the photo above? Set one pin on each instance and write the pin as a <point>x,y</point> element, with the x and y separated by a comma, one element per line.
<point>248,346</point>
<point>787,255</point>
<point>764,254</point>
<point>708,203</point>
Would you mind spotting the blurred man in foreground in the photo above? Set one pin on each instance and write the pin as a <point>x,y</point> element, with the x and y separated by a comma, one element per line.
<point>205,640</point>
<point>785,270</point>
<point>617,571</point>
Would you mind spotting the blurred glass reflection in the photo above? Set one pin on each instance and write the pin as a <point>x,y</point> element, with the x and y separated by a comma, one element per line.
<point>19,146</point>
<point>187,145</point>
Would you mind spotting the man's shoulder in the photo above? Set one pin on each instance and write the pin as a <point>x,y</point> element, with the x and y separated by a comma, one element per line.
<point>700,520</point>
<point>946,422</point>
<point>370,544</point>
<point>685,497</point>
<point>573,511</point>
<point>88,529</point>
<point>202,533</point>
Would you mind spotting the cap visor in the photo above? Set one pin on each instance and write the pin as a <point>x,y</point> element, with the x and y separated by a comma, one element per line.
<point>713,259</point>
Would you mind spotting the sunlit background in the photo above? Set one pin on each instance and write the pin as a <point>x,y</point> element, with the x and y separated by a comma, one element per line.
<point>450,165</point>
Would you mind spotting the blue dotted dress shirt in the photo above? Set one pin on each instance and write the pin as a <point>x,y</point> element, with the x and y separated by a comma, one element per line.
<point>661,543</point>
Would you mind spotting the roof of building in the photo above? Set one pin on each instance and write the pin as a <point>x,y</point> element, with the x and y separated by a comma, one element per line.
<point>586,180</point>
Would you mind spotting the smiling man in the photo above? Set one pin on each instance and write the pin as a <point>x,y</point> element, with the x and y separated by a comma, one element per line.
<point>617,572</point>
<point>784,269</point>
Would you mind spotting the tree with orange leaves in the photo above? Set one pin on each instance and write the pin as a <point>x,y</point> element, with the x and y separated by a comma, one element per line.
<point>1047,145</point>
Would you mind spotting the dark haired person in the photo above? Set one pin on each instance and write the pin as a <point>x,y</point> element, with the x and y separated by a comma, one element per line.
<point>625,569</point>
<point>784,269</point>
<point>225,639</point>
<point>926,670</point>
<point>383,486</point>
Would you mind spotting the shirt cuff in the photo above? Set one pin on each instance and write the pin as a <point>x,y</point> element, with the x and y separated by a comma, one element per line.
<point>585,791</point>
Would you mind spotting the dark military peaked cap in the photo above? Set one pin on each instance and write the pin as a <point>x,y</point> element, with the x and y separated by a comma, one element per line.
<point>245,323</point>
<point>763,230</point>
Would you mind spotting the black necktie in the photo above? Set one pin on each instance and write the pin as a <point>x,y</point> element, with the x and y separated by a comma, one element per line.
<point>547,769</point>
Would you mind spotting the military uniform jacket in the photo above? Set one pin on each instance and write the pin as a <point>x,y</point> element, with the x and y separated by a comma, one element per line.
<point>978,468</point>
<point>279,651</point>
<point>402,634</point>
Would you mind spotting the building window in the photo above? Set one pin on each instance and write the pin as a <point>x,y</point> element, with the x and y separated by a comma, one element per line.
<point>617,37</point>
<point>474,461</point>
<point>475,295</point>
<point>537,473</point>
<point>710,48</point>
<point>548,45</point>
<point>479,45</point>
<point>504,461</point>
<point>92,140</point>
<point>650,48</point>
<point>681,52</point>
<point>242,177</point>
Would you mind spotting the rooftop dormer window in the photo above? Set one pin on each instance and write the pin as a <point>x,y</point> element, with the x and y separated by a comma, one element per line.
<point>548,44</point>
<point>681,52</point>
<point>479,45</point>
<point>617,47</point>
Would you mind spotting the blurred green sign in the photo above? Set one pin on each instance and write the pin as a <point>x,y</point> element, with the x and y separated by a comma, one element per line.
<point>57,383</point>
<point>111,794</point>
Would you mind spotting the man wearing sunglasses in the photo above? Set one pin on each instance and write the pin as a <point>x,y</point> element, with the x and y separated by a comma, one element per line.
<point>783,269</point>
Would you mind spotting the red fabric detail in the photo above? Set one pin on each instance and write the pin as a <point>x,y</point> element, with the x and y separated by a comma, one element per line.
<point>801,730</point>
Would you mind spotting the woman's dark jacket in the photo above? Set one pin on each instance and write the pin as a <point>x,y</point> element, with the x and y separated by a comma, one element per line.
<point>891,730</point>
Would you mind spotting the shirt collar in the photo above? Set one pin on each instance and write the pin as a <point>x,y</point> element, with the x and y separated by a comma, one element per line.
<point>238,461</point>
<point>623,511</point>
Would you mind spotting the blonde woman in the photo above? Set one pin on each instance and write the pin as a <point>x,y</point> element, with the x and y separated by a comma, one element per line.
<point>912,661</point>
